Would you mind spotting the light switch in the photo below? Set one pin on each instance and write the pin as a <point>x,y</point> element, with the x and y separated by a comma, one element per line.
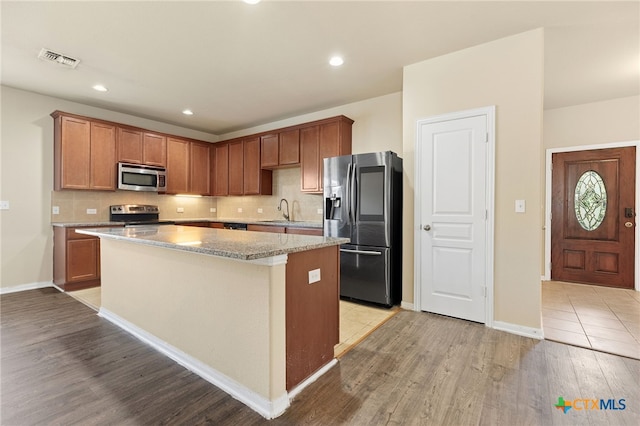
<point>4,205</point>
<point>520,206</point>
<point>55,210</point>
<point>180,210</point>
<point>92,211</point>
<point>314,276</point>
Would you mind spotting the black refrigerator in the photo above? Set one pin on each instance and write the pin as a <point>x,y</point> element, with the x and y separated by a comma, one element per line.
<point>363,202</point>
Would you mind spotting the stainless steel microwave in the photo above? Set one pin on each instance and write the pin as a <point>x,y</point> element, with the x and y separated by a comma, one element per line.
<point>137,177</point>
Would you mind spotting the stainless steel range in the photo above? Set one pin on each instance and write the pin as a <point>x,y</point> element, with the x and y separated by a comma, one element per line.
<point>137,214</point>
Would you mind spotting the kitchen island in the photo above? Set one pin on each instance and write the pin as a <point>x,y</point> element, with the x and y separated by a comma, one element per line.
<point>254,313</point>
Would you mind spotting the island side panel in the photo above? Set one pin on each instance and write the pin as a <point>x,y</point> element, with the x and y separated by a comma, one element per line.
<point>312,312</point>
<point>226,313</point>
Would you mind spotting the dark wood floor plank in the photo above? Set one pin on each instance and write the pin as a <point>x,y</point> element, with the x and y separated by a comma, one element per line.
<point>62,364</point>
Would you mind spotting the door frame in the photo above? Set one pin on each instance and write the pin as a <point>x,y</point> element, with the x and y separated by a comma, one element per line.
<point>548,192</point>
<point>490,113</point>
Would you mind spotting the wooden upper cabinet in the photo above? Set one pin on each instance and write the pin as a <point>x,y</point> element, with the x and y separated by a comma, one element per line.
<point>130,145</point>
<point>280,149</point>
<point>220,169</point>
<point>309,159</point>
<point>289,145</point>
<point>332,138</point>
<point>177,166</point>
<point>103,157</point>
<point>154,150</point>
<point>188,167</point>
<point>269,150</point>
<point>138,147</point>
<point>200,168</point>
<point>84,153</point>
<point>256,180</point>
<point>236,168</point>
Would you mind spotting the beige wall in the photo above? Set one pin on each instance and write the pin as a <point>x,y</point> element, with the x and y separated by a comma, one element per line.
<point>616,120</point>
<point>507,73</point>
<point>26,179</point>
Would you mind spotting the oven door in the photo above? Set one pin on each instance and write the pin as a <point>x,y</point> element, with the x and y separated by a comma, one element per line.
<point>365,273</point>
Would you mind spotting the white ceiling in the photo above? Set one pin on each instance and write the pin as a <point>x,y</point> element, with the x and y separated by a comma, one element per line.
<point>237,65</point>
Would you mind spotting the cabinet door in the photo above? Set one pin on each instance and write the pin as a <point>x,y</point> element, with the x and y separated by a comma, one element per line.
<point>289,148</point>
<point>200,169</point>
<point>252,166</point>
<point>236,168</point>
<point>220,169</point>
<point>177,166</point>
<point>83,259</point>
<point>305,231</point>
<point>75,150</point>
<point>266,228</point>
<point>129,146</point>
<point>269,150</point>
<point>103,157</point>
<point>154,150</point>
<point>309,159</point>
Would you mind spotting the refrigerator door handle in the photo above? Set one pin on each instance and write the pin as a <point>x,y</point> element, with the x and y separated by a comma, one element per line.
<point>348,192</point>
<point>353,194</point>
<point>366,253</point>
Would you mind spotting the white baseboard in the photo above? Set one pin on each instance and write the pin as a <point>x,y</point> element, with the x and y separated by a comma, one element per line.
<point>25,287</point>
<point>520,330</point>
<point>295,391</point>
<point>267,408</point>
<point>407,306</point>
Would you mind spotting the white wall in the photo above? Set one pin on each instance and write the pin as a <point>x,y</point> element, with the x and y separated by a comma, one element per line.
<point>507,73</point>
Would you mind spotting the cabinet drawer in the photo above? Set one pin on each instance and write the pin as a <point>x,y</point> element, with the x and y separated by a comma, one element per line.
<point>73,235</point>
<point>266,228</point>
<point>305,231</point>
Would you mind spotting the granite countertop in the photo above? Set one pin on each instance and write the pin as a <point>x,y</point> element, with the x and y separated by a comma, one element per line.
<point>297,224</point>
<point>242,245</point>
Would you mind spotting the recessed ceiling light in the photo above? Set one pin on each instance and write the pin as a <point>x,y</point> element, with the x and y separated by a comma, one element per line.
<point>100,88</point>
<point>336,61</point>
<point>187,112</point>
<point>251,1</point>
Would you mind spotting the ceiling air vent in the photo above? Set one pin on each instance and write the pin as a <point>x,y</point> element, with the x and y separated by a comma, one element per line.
<point>67,61</point>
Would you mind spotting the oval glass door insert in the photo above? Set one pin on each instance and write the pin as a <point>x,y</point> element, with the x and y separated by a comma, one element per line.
<point>590,200</point>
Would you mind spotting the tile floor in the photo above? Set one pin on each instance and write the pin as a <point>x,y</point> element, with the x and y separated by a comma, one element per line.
<point>356,321</point>
<point>601,318</point>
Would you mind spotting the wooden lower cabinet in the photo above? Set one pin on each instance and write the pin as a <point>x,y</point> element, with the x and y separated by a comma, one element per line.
<point>203,224</point>
<point>284,229</point>
<point>76,259</point>
<point>312,312</point>
<point>266,228</point>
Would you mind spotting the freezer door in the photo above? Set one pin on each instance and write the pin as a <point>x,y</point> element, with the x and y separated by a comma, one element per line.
<point>336,184</point>
<point>365,274</point>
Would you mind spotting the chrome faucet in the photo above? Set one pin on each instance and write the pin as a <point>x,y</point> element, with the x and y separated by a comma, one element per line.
<point>286,215</point>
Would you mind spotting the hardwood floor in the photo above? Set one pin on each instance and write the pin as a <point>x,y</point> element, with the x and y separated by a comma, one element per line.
<point>62,364</point>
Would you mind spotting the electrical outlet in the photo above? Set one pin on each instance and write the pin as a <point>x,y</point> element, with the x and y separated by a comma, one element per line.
<point>520,206</point>
<point>319,211</point>
<point>55,210</point>
<point>239,209</point>
<point>92,211</point>
<point>259,210</point>
<point>4,205</point>
<point>212,210</point>
<point>180,210</point>
<point>314,276</point>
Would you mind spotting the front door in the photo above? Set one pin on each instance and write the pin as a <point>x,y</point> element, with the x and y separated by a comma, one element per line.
<point>593,217</point>
<point>452,216</point>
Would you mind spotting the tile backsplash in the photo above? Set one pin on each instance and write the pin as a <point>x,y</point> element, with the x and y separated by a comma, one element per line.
<point>73,205</point>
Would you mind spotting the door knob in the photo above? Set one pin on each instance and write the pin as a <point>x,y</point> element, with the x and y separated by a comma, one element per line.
<point>427,227</point>
<point>628,224</point>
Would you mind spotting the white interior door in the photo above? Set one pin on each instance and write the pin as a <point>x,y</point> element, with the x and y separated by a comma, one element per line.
<point>452,216</point>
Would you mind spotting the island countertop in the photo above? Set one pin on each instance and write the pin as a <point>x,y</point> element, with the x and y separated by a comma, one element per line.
<point>234,244</point>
